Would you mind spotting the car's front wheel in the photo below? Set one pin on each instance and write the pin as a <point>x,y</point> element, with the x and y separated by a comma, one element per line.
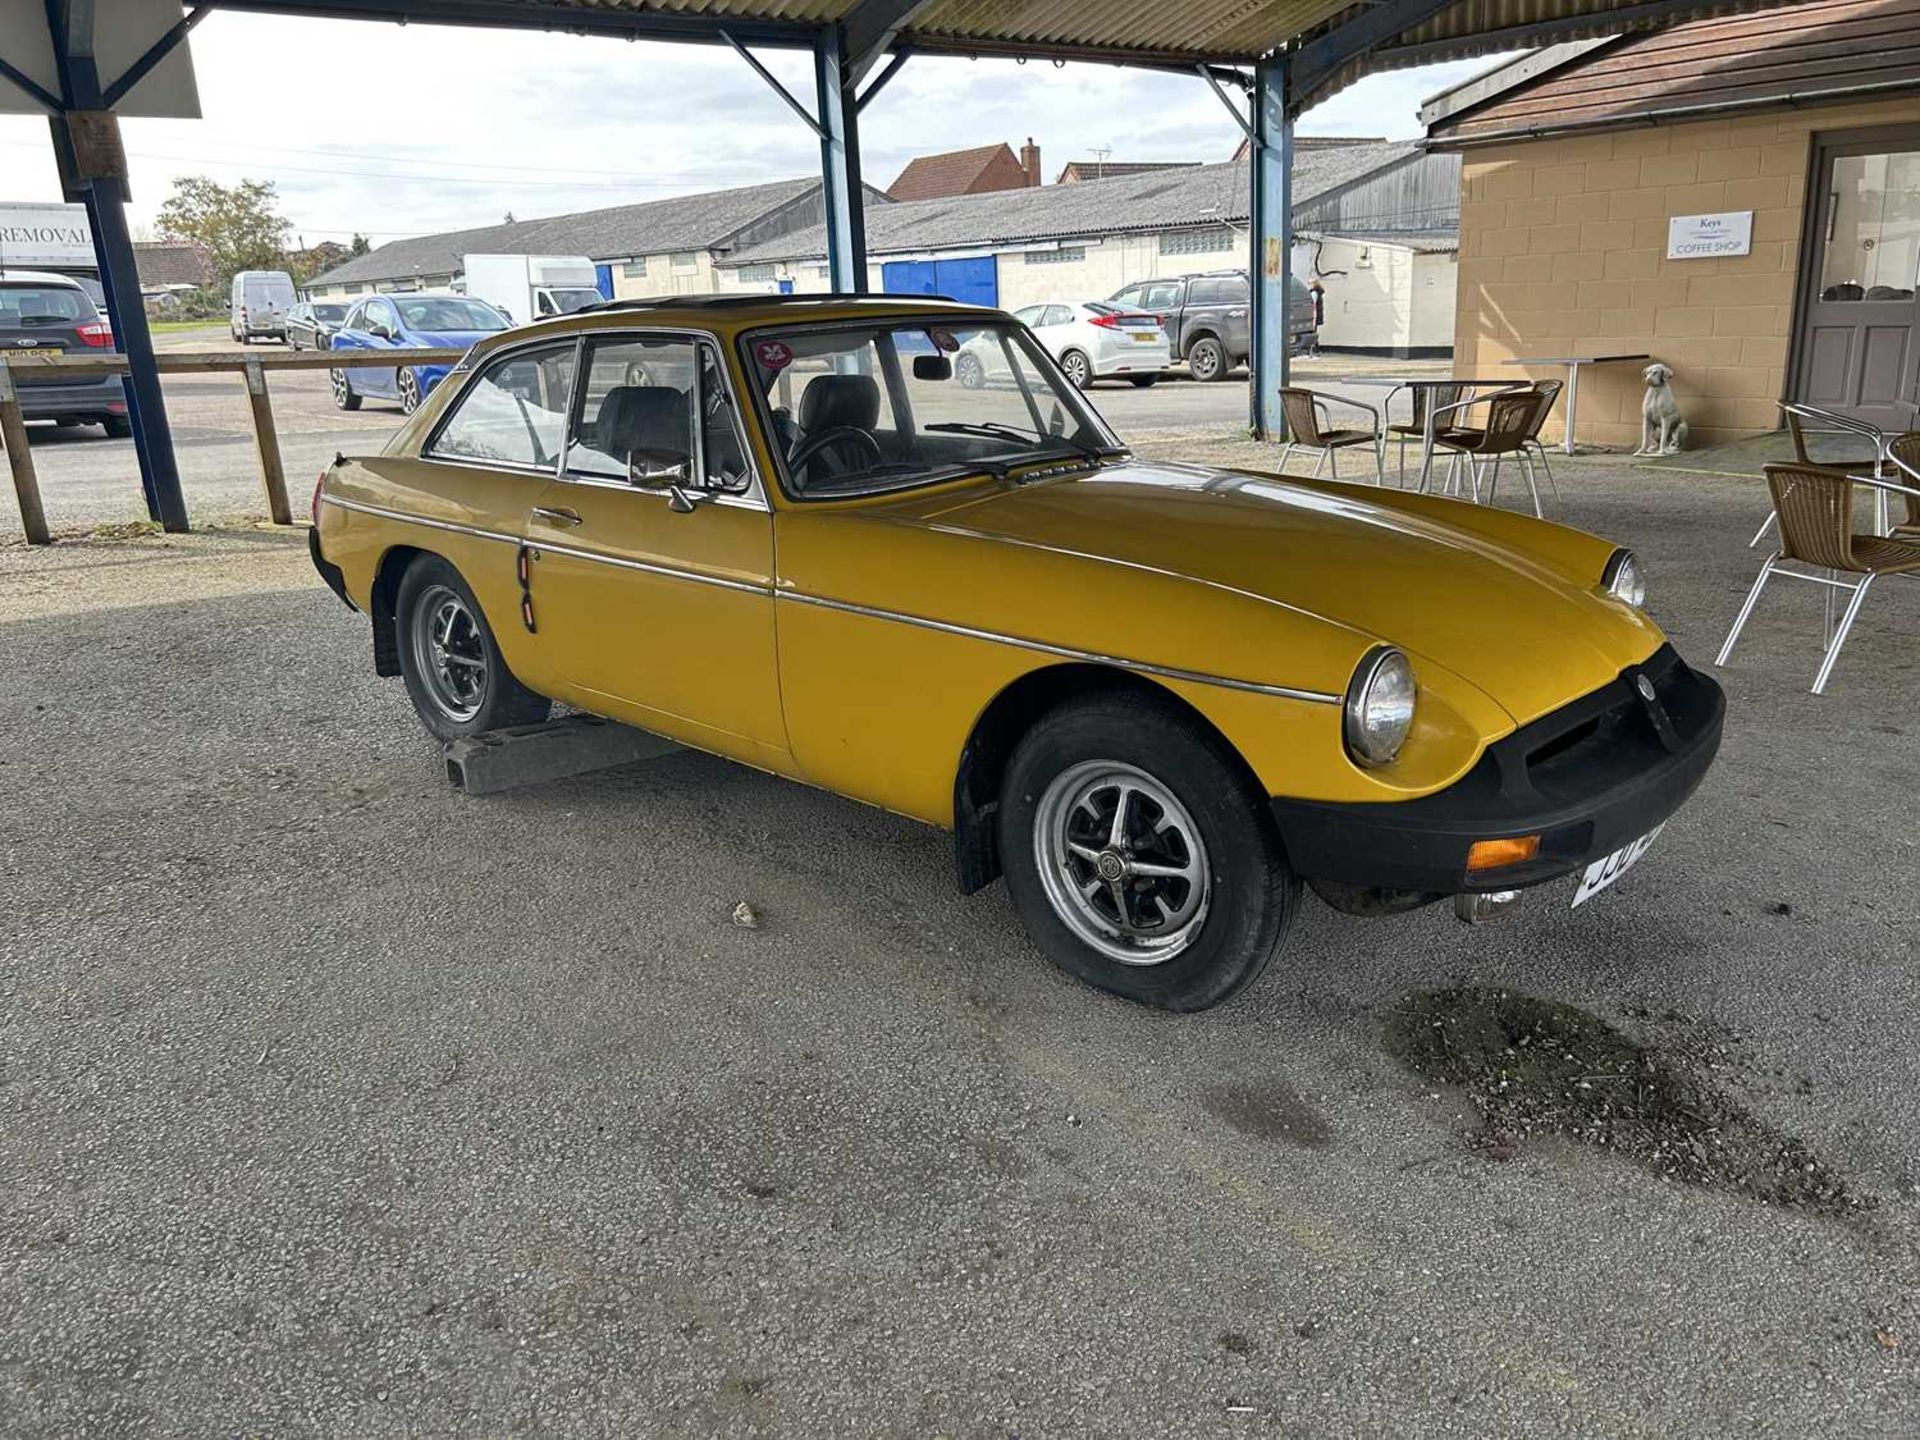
<point>455,675</point>
<point>1139,856</point>
<point>409,391</point>
<point>971,374</point>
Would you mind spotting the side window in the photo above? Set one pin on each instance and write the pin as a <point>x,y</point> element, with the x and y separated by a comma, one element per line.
<point>514,412</point>
<point>1030,315</point>
<point>1164,295</point>
<point>1129,296</point>
<point>1057,315</point>
<point>652,410</point>
<point>379,312</point>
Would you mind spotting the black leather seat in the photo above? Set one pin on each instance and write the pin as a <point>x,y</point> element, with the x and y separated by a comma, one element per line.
<point>650,418</point>
<point>834,402</point>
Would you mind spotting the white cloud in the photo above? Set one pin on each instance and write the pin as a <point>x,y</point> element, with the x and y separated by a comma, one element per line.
<point>394,130</point>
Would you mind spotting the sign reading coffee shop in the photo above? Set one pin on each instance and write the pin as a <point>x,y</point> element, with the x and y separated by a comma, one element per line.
<point>1700,237</point>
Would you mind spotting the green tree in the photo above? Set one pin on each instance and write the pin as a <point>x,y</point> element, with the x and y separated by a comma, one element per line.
<point>360,246</point>
<point>238,224</point>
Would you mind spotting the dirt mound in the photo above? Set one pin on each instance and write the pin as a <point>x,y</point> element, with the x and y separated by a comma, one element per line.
<point>1535,1067</point>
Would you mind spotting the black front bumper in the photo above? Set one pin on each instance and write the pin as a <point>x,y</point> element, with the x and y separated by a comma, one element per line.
<point>1587,779</point>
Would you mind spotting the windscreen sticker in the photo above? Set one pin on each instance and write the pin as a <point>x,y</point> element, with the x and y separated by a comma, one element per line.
<point>773,354</point>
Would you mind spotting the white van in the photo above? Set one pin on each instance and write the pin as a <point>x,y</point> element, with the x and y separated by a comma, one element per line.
<point>261,300</point>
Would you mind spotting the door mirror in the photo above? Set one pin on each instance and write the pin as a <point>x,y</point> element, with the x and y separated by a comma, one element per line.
<point>656,470</point>
<point>683,501</point>
<point>379,331</point>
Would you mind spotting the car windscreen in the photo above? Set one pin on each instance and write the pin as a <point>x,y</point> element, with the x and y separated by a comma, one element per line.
<point>448,313</point>
<point>43,305</point>
<point>887,405</point>
<point>332,314</point>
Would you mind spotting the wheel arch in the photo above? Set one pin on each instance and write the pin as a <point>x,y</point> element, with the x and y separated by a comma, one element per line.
<point>1007,717</point>
<point>383,603</point>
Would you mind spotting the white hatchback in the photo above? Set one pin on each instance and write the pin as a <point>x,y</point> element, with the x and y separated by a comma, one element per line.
<point>1092,340</point>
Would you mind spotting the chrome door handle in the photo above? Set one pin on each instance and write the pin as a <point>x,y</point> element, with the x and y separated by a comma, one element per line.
<point>558,515</point>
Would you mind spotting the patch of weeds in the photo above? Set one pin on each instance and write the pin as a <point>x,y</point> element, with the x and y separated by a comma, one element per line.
<point>1537,1068</point>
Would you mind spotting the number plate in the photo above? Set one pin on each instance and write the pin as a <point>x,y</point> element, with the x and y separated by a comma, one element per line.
<point>1603,872</point>
<point>39,353</point>
<point>1145,339</point>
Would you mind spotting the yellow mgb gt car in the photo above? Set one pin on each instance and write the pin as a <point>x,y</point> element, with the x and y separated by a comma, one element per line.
<point>1155,697</point>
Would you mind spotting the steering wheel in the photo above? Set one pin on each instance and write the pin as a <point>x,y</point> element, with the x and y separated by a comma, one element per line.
<point>814,444</point>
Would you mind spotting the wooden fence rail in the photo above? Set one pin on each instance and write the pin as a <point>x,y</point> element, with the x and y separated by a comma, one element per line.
<point>253,368</point>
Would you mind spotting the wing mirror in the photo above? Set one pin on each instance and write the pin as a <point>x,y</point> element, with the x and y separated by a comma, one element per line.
<point>379,331</point>
<point>651,472</point>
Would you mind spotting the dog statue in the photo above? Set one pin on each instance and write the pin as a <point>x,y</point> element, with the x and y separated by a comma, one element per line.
<point>1659,412</point>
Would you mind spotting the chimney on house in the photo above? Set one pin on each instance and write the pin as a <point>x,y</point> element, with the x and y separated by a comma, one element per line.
<point>1030,161</point>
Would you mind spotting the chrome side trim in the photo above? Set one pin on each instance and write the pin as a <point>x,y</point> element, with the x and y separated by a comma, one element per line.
<point>1141,667</point>
<point>386,514</point>
<point>546,547</point>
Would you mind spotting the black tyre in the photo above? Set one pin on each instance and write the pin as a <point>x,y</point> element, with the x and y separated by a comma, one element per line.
<point>343,396</point>
<point>1078,369</point>
<point>117,428</point>
<point>409,388</point>
<point>971,374</point>
<point>1207,359</point>
<point>1139,856</point>
<point>1141,382</point>
<point>455,676</point>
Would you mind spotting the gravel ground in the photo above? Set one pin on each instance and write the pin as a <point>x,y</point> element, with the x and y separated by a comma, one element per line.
<point>339,1103</point>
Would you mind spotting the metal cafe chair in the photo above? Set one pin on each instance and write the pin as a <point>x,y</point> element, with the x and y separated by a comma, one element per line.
<point>1423,397</point>
<point>1904,452</point>
<point>1830,422</point>
<point>1513,417</point>
<point>1309,427</point>
<point>1815,510</point>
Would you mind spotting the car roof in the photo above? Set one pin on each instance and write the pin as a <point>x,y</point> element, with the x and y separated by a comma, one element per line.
<point>39,277</point>
<point>728,315</point>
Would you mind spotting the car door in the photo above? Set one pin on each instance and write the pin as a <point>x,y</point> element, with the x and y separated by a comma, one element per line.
<point>380,330</point>
<point>1162,298</point>
<point>651,556</point>
<point>1050,325</point>
<point>1218,305</point>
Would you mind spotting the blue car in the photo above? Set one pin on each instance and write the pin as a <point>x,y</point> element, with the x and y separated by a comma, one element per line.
<point>406,322</point>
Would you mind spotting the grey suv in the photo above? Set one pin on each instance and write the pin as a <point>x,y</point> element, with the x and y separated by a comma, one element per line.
<point>1207,317</point>
<point>46,314</point>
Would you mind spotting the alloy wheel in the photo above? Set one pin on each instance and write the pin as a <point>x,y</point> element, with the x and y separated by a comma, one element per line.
<point>1122,862</point>
<point>449,653</point>
<point>1076,368</point>
<point>409,391</point>
<point>341,394</point>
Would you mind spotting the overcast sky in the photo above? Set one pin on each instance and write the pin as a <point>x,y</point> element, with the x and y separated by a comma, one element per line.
<point>573,123</point>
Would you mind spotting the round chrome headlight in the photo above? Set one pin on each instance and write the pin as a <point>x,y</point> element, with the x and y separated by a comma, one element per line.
<point>1380,706</point>
<point>1623,580</point>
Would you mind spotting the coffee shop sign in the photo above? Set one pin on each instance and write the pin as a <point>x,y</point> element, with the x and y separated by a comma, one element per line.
<point>1698,237</point>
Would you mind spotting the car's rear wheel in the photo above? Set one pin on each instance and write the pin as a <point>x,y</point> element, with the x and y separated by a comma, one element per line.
<point>117,428</point>
<point>1207,359</point>
<point>343,396</point>
<point>968,370</point>
<point>1139,856</point>
<point>409,387</point>
<point>1079,369</point>
<point>455,675</point>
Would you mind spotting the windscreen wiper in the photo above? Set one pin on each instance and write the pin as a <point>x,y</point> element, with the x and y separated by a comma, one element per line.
<point>994,430</point>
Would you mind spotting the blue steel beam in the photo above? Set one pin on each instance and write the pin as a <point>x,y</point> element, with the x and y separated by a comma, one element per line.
<point>844,197</point>
<point>1271,243</point>
<point>870,29</point>
<point>71,24</point>
<point>1317,61</point>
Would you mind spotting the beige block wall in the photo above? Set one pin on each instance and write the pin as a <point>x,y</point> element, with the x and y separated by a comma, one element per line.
<point>1563,251</point>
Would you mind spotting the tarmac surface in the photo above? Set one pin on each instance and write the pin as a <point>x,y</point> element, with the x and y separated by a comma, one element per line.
<point>335,1102</point>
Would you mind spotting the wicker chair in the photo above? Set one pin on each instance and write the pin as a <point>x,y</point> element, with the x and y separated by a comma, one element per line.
<point>1827,422</point>
<point>1904,452</point>
<point>1514,418</point>
<point>1308,427</point>
<point>1415,430</point>
<point>1815,509</point>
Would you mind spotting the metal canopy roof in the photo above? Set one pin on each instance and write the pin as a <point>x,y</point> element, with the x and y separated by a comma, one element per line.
<point>1154,32</point>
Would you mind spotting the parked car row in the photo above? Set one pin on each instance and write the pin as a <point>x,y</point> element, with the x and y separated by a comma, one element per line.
<point>1138,332</point>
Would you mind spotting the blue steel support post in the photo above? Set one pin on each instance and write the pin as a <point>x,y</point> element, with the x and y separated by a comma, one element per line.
<point>1271,233</point>
<point>846,213</point>
<point>71,25</point>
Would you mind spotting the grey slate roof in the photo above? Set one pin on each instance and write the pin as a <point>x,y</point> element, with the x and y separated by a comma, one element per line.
<point>1158,200</point>
<point>682,222</point>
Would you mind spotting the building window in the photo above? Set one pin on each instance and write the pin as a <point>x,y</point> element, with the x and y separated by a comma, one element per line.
<point>1210,241</point>
<point>823,272</point>
<point>634,269</point>
<point>751,273</point>
<point>356,289</point>
<point>684,262</point>
<point>1065,255</point>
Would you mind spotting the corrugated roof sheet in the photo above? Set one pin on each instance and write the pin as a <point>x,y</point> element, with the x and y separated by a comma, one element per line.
<point>683,222</point>
<point>1163,200</point>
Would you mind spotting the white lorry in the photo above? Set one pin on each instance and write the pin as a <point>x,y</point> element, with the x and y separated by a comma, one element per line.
<point>525,288</point>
